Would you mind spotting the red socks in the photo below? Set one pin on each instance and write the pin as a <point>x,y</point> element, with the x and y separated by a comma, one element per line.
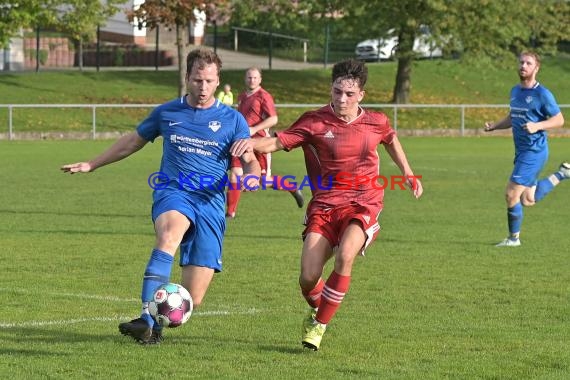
<point>233,199</point>
<point>332,296</point>
<point>313,297</point>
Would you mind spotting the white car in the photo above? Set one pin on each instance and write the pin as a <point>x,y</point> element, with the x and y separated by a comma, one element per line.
<point>384,48</point>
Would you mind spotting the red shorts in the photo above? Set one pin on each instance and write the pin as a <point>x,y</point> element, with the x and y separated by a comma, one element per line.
<point>332,222</point>
<point>261,157</point>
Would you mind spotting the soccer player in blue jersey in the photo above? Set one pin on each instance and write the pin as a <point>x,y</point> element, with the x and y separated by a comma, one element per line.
<point>533,110</point>
<point>188,208</point>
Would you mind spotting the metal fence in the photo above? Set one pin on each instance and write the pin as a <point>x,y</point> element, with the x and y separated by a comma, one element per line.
<point>395,108</point>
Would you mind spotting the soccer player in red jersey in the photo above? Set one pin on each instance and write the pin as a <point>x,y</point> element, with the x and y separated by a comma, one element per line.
<point>338,140</point>
<point>258,108</point>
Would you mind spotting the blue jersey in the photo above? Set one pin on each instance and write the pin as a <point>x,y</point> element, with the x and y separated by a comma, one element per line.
<point>531,104</point>
<point>196,145</point>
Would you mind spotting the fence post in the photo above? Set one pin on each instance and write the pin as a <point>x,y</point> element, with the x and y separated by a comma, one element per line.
<point>235,40</point>
<point>327,32</point>
<point>98,54</point>
<point>93,129</point>
<point>10,136</point>
<point>37,49</point>
<point>156,49</point>
<point>304,51</point>
<point>462,125</point>
<point>395,117</point>
<point>270,48</point>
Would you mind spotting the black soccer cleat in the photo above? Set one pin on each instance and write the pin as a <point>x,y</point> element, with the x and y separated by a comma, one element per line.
<point>298,195</point>
<point>138,329</point>
<point>156,337</point>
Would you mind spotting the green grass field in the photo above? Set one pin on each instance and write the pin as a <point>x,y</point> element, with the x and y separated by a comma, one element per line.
<point>433,82</point>
<point>432,299</point>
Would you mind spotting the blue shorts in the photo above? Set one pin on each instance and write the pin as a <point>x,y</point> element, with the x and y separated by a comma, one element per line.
<point>528,166</point>
<point>202,243</point>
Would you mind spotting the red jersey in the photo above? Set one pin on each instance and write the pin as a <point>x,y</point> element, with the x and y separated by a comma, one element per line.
<point>341,157</point>
<point>256,108</point>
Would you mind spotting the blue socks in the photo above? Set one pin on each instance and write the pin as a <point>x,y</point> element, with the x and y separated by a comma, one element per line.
<point>515,217</point>
<point>515,213</point>
<point>559,175</point>
<point>157,273</point>
<point>543,187</point>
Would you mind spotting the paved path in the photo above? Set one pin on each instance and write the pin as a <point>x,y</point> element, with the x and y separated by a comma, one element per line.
<point>235,60</point>
<point>231,60</point>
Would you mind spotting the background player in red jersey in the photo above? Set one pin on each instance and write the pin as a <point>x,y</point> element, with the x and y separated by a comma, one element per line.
<point>258,108</point>
<point>341,221</point>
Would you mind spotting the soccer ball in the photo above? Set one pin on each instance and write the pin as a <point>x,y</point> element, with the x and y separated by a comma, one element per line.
<point>171,305</point>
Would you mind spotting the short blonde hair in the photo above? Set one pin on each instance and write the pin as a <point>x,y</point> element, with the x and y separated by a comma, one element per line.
<point>532,54</point>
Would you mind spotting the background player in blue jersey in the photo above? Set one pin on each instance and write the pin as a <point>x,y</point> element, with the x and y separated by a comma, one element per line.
<point>188,208</point>
<point>533,110</point>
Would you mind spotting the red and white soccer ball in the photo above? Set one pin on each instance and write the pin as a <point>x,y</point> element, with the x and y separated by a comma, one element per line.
<point>171,305</point>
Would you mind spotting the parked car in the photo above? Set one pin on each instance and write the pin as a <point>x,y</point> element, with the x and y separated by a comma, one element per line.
<point>378,49</point>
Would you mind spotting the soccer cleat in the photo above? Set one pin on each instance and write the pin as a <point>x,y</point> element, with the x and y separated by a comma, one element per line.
<point>138,329</point>
<point>508,242</point>
<point>565,170</point>
<point>156,337</point>
<point>312,338</point>
<point>309,321</point>
<point>298,195</point>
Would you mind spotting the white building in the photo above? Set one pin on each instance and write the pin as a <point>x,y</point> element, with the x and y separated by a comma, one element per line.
<point>116,29</point>
<point>13,58</point>
<point>119,29</point>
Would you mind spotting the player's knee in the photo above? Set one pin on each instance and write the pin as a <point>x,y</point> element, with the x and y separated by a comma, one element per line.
<point>343,261</point>
<point>527,202</point>
<point>308,280</point>
<point>168,241</point>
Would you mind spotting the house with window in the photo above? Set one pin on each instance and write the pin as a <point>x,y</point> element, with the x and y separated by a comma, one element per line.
<point>117,29</point>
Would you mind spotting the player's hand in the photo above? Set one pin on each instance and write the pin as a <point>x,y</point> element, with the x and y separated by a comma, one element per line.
<point>79,167</point>
<point>530,127</point>
<point>489,127</point>
<point>250,183</point>
<point>415,185</point>
<point>240,147</point>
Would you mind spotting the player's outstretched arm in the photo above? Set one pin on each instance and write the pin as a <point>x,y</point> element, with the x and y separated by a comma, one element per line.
<point>262,145</point>
<point>267,145</point>
<point>265,124</point>
<point>396,152</point>
<point>252,171</point>
<point>123,147</point>
<point>503,124</point>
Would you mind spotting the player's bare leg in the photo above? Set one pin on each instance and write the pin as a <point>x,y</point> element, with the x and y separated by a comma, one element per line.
<point>197,280</point>
<point>170,228</point>
<point>513,195</point>
<point>316,252</point>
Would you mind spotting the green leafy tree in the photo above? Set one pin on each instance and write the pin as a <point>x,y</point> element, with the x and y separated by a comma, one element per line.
<point>80,18</point>
<point>18,15</point>
<point>177,14</point>
<point>272,15</point>
<point>477,28</point>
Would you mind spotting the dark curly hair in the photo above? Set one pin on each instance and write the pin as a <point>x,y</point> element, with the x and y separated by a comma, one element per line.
<point>351,69</point>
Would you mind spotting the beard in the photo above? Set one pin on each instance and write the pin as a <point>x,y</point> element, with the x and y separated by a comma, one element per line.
<point>526,75</point>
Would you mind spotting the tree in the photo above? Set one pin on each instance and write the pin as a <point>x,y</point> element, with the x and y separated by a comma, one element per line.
<point>272,15</point>
<point>476,28</point>
<point>16,15</point>
<point>80,19</point>
<point>172,13</point>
